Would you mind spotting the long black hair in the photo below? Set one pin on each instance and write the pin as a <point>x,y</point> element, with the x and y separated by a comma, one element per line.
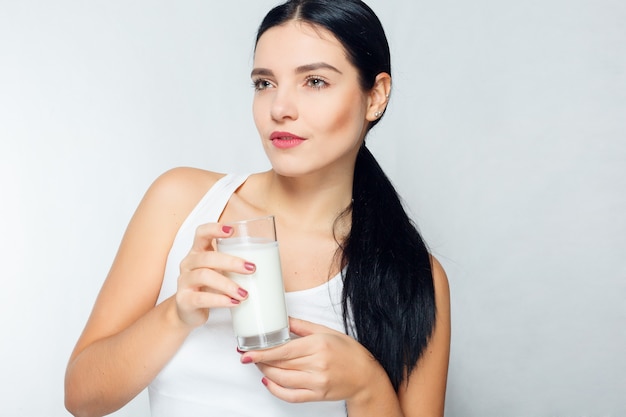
<point>388,287</point>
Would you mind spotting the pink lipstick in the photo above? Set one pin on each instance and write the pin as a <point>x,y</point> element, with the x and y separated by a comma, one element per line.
<point>285,140</point>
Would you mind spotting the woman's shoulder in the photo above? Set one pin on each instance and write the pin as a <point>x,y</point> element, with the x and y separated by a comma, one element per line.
<point>176,192</point>
<point>442,294</point>
<point>189,176</point>
<point>440,279</point>
<point>437,268</point>
<point>184,183</point>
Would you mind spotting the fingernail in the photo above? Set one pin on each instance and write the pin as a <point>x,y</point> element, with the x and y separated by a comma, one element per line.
<point>246,359</point>
<point>227,229</point>
<point>232,300</point>
<point>242,292</point>
<point>249,266</point>
<point>264,381</point>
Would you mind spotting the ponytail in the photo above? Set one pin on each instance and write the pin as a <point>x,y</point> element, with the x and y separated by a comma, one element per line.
<point>388,285</point>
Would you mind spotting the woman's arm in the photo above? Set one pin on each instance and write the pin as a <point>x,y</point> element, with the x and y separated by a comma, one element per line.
<point>127,340</point>
<point>423,394</point>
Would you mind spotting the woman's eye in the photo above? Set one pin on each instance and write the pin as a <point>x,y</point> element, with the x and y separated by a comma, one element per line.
<point>261,84</point>
<point>316,82</point>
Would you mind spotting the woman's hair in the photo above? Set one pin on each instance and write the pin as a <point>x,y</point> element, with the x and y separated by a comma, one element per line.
<point>388,285</point>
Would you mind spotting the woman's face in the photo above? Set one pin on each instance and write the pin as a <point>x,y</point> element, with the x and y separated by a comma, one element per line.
<point>308,105</point>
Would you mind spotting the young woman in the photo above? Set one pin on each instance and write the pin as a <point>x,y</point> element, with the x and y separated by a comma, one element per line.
<point>369,306</point>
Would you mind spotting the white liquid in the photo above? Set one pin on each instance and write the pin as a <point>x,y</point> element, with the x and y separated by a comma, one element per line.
<point>264,310</point>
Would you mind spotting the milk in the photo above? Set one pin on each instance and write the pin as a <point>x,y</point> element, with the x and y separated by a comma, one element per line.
<point>264,312</point>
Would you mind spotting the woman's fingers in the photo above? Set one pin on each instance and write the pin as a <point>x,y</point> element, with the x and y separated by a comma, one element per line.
<point>202,284</point>
<point>204,274</point>
<point>296,351</point>
<point>306,328</point>
<point>210,281</point>
<point>192,300</point>
<point>291,395</point>
<point>216,261</point>
<point>297,382</point>
<point>206,233</point>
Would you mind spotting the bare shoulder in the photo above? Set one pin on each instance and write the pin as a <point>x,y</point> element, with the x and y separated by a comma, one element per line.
<point>440,279</point>
<point>183,184</point>
<point>189,174</point>
<point>178,190</point>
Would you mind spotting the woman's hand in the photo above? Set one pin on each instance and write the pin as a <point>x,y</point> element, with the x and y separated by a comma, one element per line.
<point>201,284</point>
<point>321,365</point>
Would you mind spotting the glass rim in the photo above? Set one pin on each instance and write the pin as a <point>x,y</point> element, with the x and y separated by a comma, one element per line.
<point>254,219</point>
<point>243,227</point>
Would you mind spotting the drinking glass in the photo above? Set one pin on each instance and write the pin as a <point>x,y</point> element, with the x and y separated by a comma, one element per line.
<point>260,321</point>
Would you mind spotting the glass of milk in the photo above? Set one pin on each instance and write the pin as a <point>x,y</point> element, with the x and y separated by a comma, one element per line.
<point>260,321</point>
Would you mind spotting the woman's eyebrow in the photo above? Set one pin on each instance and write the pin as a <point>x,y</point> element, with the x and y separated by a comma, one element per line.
<point>302,68</point>
<point>261,71</point>
<point>316,66</point>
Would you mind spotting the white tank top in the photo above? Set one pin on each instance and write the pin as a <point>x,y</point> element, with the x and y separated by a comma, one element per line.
<point>205,377</point>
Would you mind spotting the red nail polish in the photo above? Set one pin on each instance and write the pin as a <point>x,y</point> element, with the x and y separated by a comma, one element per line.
<point>227,229</point>
<point>242,292</point>
<point>264,381</point>
<point>246,359</point>
<point>250,266</point>
<point>232,300</point>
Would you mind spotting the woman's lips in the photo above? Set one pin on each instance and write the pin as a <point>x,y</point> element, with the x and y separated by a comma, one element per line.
<point>285,140</point>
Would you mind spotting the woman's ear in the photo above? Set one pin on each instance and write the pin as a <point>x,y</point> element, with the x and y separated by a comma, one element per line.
<point>379,96</point>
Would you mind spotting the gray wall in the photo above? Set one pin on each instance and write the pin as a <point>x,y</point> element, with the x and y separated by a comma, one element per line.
<point>506,136</point>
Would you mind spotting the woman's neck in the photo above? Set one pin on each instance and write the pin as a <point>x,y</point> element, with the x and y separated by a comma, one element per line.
<point>309,203</point>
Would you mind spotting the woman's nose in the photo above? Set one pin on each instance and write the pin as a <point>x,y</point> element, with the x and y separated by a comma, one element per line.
<point>284,105</point>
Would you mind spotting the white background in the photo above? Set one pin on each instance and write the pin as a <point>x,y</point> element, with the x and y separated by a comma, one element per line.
<point>505,135</point>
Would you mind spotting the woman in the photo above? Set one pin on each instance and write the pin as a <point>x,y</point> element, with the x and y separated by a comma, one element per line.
<point>368,303</point>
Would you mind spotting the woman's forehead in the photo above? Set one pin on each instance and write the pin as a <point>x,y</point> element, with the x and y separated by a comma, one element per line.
<point>297,43</point>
